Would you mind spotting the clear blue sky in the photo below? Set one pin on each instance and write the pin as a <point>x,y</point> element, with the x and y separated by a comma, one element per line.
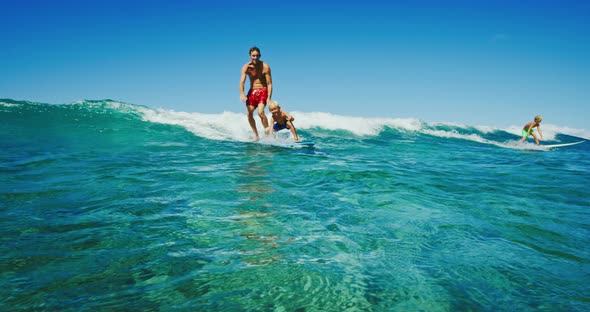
<point>495,63</point>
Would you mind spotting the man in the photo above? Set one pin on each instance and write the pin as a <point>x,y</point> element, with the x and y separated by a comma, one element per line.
<point>260,88</point>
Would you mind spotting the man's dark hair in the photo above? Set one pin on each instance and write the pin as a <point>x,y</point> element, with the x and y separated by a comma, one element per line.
<point>252,49</point>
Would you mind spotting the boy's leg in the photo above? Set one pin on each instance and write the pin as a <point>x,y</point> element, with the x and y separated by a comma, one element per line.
<point>536,139</point>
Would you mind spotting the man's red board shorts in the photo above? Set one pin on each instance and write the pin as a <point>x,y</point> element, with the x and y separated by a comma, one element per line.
<point>257,96</point>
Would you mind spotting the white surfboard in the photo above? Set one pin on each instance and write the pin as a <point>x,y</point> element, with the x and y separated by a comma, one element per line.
<point>288,144</point>
<point>304,144</point>
<point>562,145</point>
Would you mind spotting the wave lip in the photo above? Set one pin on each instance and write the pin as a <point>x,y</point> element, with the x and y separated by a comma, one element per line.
<point>231,126</point>
<point>361,126</point>
<point>234,126</point>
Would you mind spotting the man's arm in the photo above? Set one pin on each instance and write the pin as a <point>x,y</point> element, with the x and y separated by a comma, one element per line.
<point>268,77</point>
<point>243,97</point>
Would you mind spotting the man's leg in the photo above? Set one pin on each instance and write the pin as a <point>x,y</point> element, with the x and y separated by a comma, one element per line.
<point>262,115</point>
<point>251,120</point>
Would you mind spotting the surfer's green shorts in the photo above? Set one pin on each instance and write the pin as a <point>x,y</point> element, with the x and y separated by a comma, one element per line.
<point>524,132</point>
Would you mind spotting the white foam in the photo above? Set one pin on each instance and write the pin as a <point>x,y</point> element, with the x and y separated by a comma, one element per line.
<point>234,126</point>
<point>523,146</point>
<point>115,105</point>
<point>454,134</point>
<point>361,126</point>
<point>225,126</point>
<point>9,104</point>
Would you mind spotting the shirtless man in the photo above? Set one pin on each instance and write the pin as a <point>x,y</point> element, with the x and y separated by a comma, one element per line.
<point>260,88</point>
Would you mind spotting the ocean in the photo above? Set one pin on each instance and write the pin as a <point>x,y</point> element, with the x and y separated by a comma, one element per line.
<point>110,206</point>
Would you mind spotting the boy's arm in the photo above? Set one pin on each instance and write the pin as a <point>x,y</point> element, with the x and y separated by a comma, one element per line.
<point>288,117</point>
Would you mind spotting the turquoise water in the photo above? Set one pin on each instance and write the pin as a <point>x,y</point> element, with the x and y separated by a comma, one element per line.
<point>112,206</point>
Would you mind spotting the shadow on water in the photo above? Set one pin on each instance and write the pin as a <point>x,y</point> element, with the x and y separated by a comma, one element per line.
<point>254,190</point>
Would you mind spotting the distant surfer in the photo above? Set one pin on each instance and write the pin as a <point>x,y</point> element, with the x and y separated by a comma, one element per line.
<point>528,129</point>
<point>281,120</point>
<point>260,88</point>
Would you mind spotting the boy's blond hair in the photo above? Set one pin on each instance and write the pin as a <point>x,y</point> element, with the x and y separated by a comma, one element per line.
<point>273,104</point>
<point>538,118</point>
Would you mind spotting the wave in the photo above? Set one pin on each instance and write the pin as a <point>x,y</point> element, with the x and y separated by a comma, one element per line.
<point>231,126</point>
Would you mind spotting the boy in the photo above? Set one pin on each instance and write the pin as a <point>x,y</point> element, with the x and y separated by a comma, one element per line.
<point>281,120</point>
<point>528,129</point>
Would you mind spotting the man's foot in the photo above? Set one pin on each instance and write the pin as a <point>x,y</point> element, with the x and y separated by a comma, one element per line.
<point>255,139</point>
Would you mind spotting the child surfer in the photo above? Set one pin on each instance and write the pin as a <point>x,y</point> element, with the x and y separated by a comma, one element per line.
<point>528,129</point>
<point>282,120</point>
